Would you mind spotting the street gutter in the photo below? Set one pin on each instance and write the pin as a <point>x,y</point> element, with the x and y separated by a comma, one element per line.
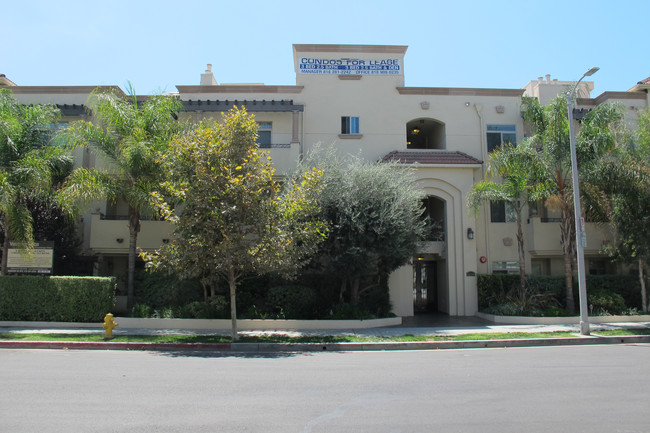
<point>324,347</point>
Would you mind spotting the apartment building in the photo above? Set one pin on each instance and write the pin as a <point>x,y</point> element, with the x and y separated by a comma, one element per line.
<point>354,98</point>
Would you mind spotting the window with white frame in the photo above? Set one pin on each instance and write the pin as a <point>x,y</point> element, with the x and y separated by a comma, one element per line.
<point>497,135</point>
<point>502,212</point>
<point>504,267</point>
<point>349,125</point>
<point>264,130</point>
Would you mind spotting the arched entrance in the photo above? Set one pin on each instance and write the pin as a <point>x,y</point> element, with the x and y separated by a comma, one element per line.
<point>425,133</point>
<point>430,293</point>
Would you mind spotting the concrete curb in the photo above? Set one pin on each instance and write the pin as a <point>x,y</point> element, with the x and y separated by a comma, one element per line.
<point>323,347</point>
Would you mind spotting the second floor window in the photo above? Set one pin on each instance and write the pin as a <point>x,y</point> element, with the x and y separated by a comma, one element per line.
<point>349,125</point>
<point>264,134</point>
<point>500,134</point>
<point>502,212</point>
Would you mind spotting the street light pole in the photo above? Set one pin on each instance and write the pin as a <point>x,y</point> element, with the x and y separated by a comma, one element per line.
<point>581,237</point>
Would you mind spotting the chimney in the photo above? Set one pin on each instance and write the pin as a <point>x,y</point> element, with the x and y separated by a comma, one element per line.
<point>548,78</point>
<point>6,82</point>
<point>207,79</point>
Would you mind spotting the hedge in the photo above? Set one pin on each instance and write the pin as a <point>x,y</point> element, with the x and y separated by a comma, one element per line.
<point>56,299</point>
<point>607,294</point>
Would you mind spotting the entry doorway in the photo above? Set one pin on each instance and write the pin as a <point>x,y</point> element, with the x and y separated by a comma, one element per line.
<point>425,286</point>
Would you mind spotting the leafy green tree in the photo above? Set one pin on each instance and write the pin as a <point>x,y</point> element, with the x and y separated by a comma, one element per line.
<point>619,192</point>
<point>624,181</point>
<point>599,132</point>
<point>231,217</point>
<point>515,178</point>
<point>127,135</point>
<point>374,212</point>
<point>28,166</point>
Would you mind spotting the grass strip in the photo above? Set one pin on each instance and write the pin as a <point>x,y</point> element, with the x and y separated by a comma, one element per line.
<point>278,338</point>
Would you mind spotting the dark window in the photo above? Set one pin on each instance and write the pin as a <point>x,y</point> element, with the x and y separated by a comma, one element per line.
<point>502,212</point>
<point>264,134</point>
<point>498,135</point>
<point>349,125</point>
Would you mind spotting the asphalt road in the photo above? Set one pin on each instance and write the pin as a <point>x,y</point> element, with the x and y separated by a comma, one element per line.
<point>541,389</point>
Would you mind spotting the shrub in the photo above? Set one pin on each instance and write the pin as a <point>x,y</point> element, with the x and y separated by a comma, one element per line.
<point>501,294</point>
<point>349,312</point>
<point>161,289</point>
<point>63,299</point>
<point>627,286</point>
<point>494,288</point>
<point>605,302</point>
<point>293,302</point>
<point>142,311</point>
<point>217,307</point>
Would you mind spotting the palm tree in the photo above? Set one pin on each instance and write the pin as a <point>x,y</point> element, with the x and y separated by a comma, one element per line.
<point>28,165</point>
<point>515,179</point>
<point>619,193</point>
<point>597,135</point>
<point>128,136</point>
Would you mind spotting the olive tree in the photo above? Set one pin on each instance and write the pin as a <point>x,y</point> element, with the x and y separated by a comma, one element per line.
<point>232,218</point>
<point>374,213</point>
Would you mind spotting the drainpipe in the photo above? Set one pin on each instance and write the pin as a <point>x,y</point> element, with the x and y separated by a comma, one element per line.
<point>484,156</point>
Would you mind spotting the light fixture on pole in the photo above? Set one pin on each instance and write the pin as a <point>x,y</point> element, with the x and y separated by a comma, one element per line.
<point>581,237</point>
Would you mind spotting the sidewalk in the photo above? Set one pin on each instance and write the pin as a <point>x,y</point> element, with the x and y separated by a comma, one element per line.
<point>453,326</point>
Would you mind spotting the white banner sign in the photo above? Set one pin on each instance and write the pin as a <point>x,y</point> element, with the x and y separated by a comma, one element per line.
<point>40,261</point>
<point>311,65</point>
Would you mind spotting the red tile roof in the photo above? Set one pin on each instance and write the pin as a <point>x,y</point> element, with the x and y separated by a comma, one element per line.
<point>646,81</point>
<point>431,157</point>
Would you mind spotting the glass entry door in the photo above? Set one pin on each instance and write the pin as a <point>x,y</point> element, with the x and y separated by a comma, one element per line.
<point>425,286</point>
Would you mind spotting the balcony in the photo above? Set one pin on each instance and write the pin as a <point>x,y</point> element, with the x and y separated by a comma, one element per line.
<point>544,238</point>
<point>433,247</point>
<point>111,236</point>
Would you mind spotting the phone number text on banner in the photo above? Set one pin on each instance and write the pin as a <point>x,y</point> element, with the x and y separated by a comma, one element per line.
<point>349,66</point>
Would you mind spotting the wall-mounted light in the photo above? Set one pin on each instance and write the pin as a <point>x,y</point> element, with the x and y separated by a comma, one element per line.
<point>415,131</point>
<point>470,233</point>
<point>119,240</point>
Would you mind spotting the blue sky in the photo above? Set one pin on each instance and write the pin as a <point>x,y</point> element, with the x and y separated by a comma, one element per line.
<point>159,44</point>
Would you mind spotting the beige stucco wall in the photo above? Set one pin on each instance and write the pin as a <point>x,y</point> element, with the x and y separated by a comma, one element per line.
<point>384,107</point>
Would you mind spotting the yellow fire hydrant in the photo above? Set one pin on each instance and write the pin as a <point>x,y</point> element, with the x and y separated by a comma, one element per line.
<point>109,324</point>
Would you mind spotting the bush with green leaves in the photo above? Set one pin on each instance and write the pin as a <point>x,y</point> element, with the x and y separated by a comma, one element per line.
<point>626,286</point>
<point>607,294</point>
<point>159,289</point>
<point>374,215</point>
<point>294,301</point>
<point>58,299</point>
<point>604,302</point>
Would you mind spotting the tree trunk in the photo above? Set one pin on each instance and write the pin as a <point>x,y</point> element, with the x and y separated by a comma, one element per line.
<point>354,292</point>
<point>342,289</point>
<point>232,283</point>
<point>5,251</point>
<point>644,294</point>
<point>567,239</point>
<point>134,229</point>
<point>522,254</point>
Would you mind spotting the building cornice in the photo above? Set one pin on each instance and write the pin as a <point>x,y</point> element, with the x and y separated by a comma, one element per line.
<point>325,48</point>
<point>60,90</point>
<point>455,91</point>
<point>236,88</point>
